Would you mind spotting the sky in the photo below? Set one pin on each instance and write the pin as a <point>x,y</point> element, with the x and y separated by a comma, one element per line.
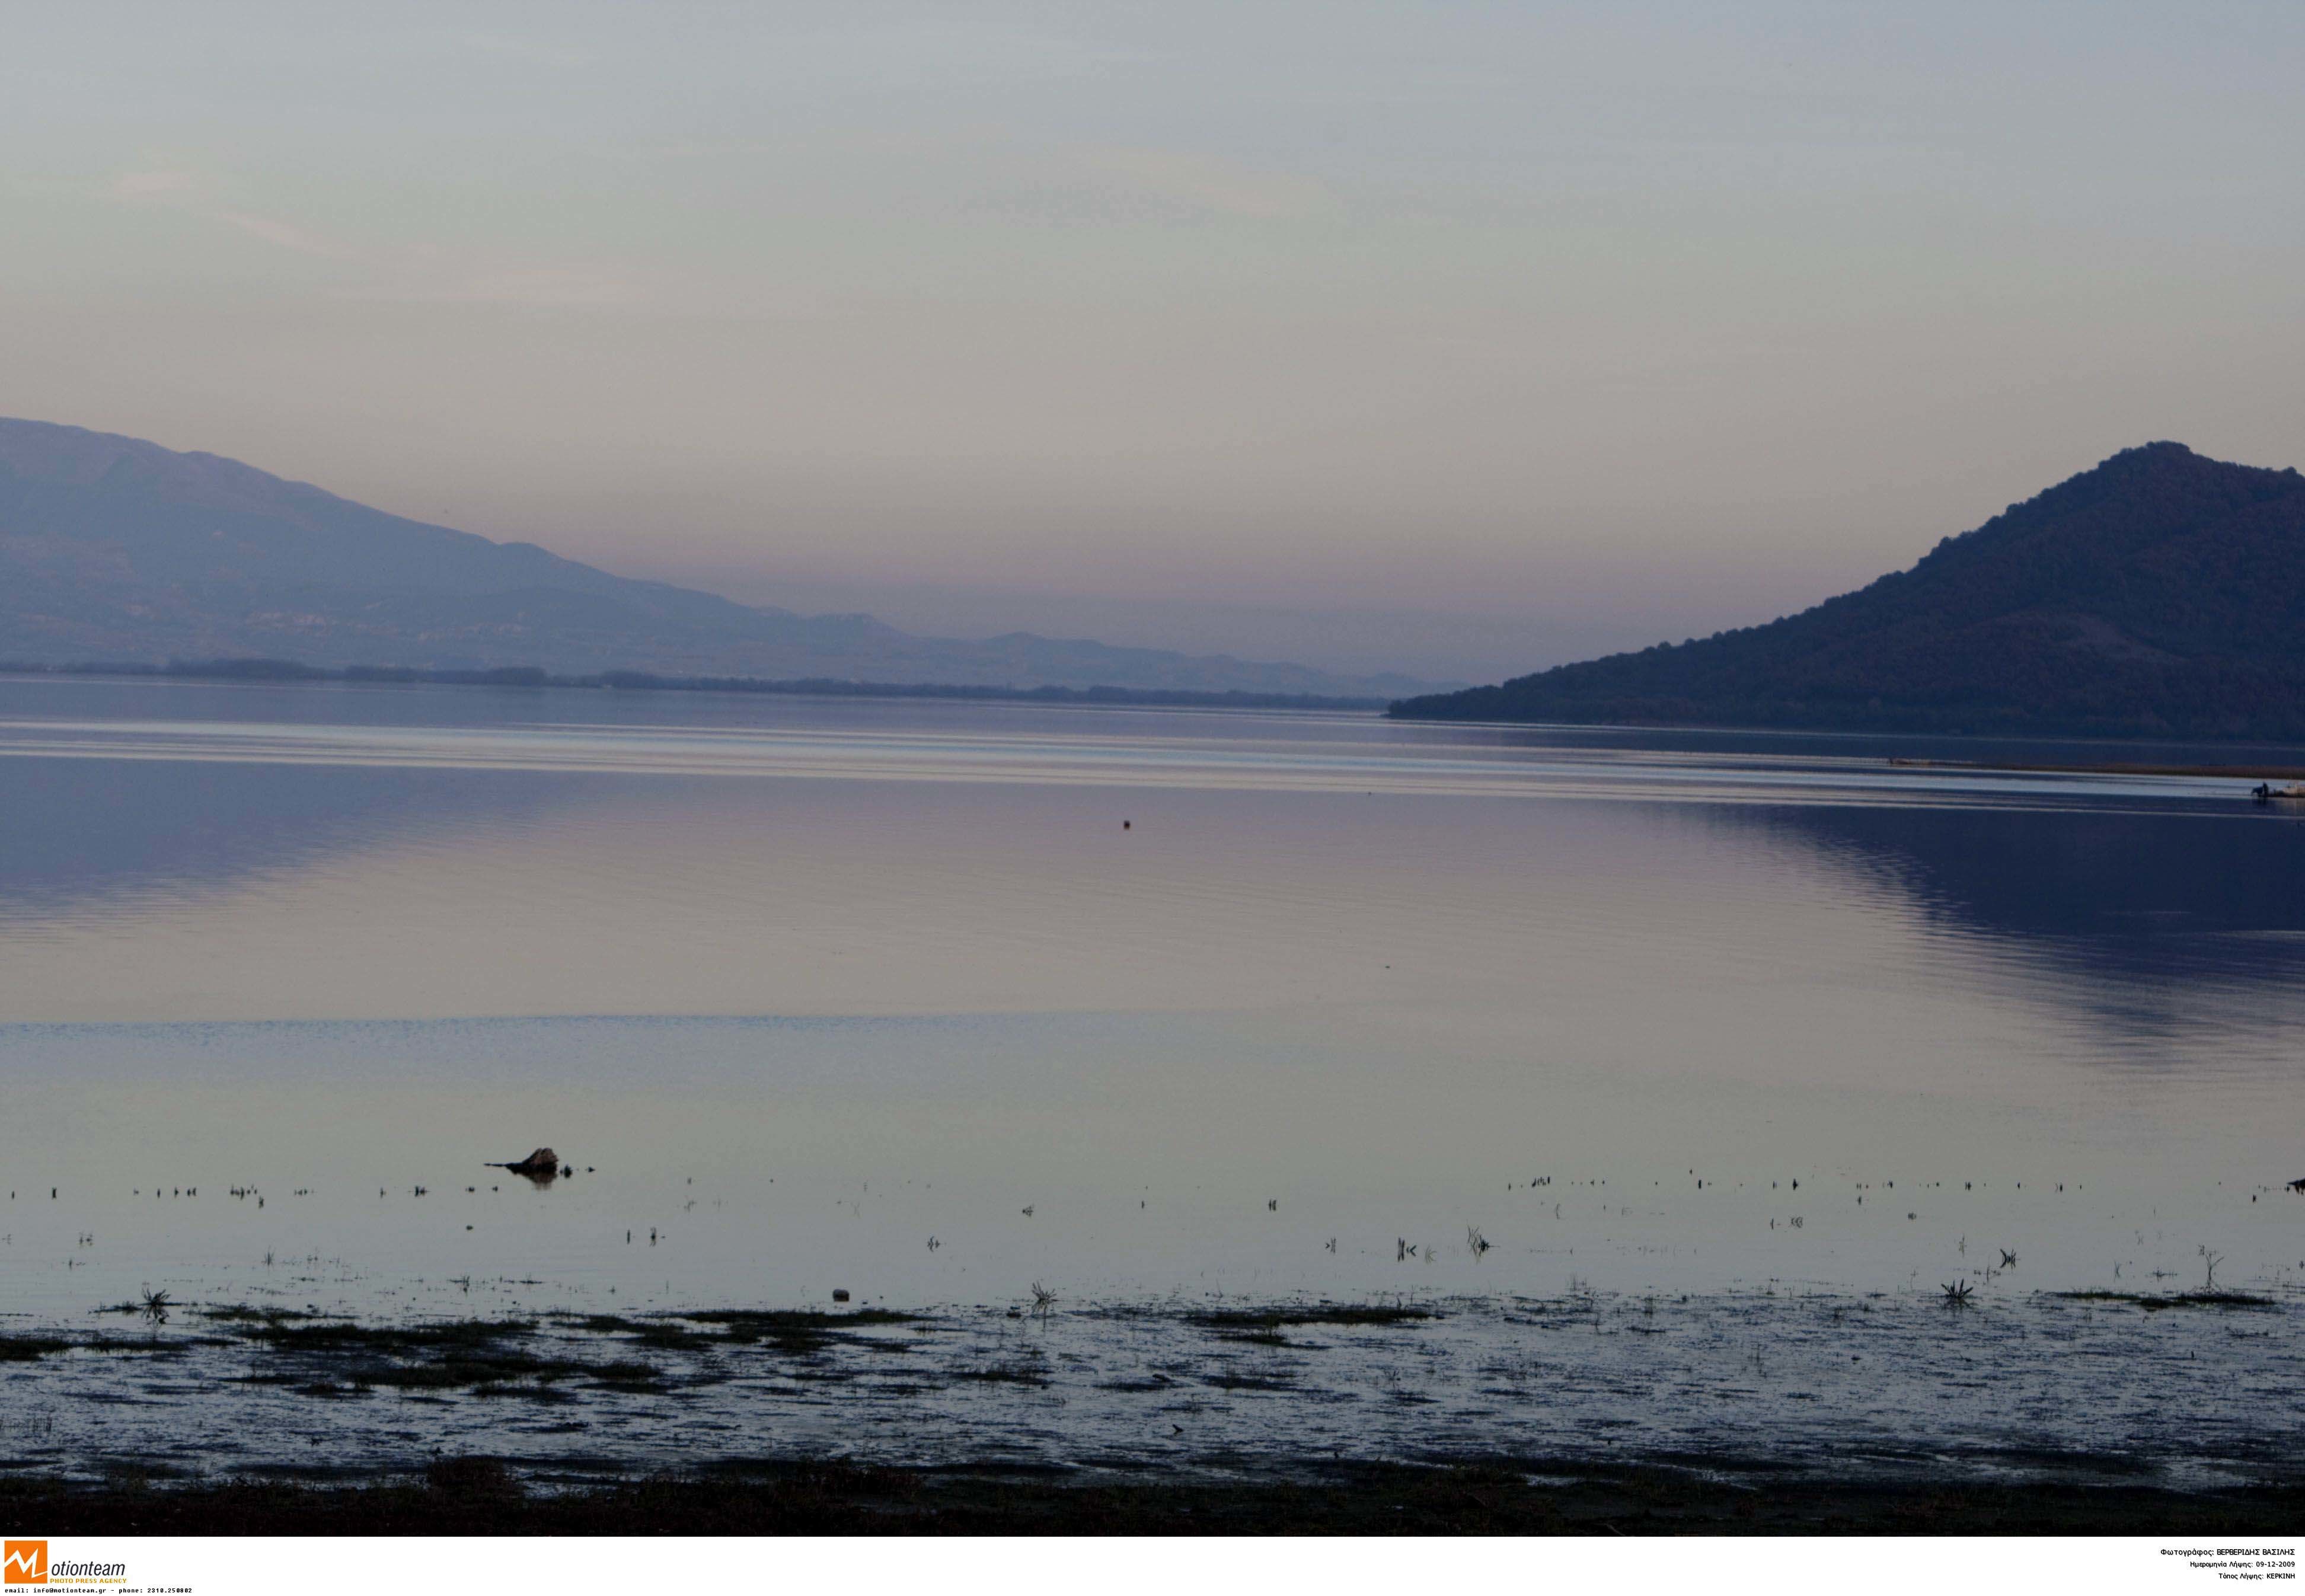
<point>1456,339</point>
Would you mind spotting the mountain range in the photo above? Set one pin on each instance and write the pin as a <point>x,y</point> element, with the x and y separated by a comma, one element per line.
<point>116,550</point>
<point>2162,593</point>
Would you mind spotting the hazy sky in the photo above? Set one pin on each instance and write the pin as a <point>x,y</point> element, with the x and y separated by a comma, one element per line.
<point>1514,331</point>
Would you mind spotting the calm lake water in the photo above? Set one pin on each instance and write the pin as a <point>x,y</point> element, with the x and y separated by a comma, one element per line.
<point>1142,1006</point>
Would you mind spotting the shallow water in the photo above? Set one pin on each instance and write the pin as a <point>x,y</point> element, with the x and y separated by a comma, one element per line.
<point>1770,1384</point>
<point>797,986</point>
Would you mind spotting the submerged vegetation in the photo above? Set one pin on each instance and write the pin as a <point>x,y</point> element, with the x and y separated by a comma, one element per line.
<point>26,1349</point>
<point>488,1357</point>
<point>1321,1314</point>
<point>2152,1301</point>
<point>792,1330</point>
<point>1163,1389</point>
<point>512,1356</point>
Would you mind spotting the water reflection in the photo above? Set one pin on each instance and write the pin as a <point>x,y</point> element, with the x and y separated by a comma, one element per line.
<point>177,851</point>
<point>82,832</point>
<point>2155,922</point>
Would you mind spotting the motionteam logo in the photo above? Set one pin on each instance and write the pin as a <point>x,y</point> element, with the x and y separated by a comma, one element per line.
<point>26,1563</point>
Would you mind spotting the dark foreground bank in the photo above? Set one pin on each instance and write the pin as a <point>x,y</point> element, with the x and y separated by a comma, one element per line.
<point>480,1497</point>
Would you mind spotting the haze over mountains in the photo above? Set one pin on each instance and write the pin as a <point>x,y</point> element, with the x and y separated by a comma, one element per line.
<point>117,550</point>
<point>2160,593</point>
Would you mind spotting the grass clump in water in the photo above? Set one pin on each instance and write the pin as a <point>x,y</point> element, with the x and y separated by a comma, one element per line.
<point>240,1314</point>
<point>2155,1302</point>
<point>663,1335</point>
<point>792,1330</point>
<point>26,1349</point>
<point>1266,1324</point>
<point>484,1357</point>
<point>453,1336</point>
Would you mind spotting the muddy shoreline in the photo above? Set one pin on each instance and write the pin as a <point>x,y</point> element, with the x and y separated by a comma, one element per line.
<point>1499,1497</point>
<point>1790,1409</point>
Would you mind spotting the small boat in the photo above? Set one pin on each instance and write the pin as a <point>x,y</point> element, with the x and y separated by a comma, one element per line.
<point>2265,792</point>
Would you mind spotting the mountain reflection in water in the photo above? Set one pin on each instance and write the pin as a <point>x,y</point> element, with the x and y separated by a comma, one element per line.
<point>2153,921</point>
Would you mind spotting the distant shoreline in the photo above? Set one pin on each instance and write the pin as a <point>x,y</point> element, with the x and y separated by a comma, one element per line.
<point>2219,772</point>
<point>291,671</point>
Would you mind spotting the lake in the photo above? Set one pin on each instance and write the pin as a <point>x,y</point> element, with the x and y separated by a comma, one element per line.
<point>1600,1047</point>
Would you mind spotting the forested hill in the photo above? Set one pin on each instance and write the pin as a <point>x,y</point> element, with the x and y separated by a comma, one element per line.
<point>2161,593</point>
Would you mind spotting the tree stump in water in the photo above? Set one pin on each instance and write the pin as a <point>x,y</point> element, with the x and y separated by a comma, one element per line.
<point>540,1165</point>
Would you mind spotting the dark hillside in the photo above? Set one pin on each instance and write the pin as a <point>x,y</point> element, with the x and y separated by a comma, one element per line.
<point>114,550</point>
<point>2161,592</point>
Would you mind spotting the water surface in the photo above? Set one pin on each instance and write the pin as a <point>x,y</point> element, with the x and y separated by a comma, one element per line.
<point>1143,1006</point>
